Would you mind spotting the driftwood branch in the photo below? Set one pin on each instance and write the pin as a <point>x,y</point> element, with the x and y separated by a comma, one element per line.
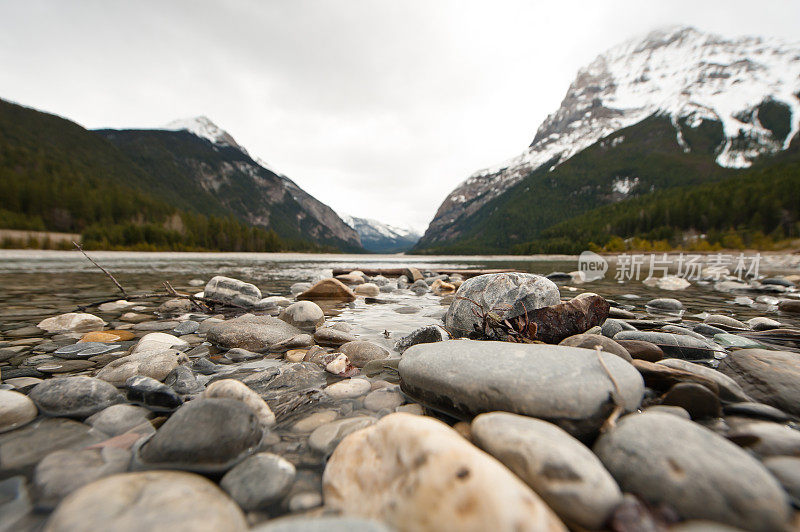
<point>124,293</point>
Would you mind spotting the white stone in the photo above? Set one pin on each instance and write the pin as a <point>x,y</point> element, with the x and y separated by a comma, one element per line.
<point>156,341</point>
<point>348,388</point>
<point>416,473</point>
<point>16,410</point>
<point>72,322</point>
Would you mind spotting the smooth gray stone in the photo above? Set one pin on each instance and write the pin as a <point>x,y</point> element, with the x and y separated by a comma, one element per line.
<point>118,419</point>
<point>331,337</point>
<point>729,390</point>
<point>701,475</point>
<point>707,330</point>
<point>183,381</point>
<point>287,381</point>
<point>725,322</point>
<point>763,324</point>
<point>77,397</point>
<point>23,448</point>
<point>676,345</point>
<point>590,341</point>
<point>756,410</point>
<point>699,401</point>
<point>152,394</point>
<point>203,435</point>
<point>62,472</point>
<point>766,438</point>
<point>187,327</point>
<point>305,315</point>
<point>509,294</point>
<point>238,354</point>
<point>666,305</point>
<point>769,377</point>
<point>259,481</point>
<point>559,468</point>
<point>611,327</point>
<point>228,290</point>
<point>564,385</point>
<point>361,352</point>
<point>254,333</point>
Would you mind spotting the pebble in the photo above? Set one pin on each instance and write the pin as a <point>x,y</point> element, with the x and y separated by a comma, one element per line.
<point>348,388</point>
<point>642,350</point>
<point>186,327</point>
<point>325,438</point>
<point>328,289</point>
<point>770,377</point>
<point>328,336</point>
<point>367,290</point>
<point>591,341</point>
<point>77,396</point>
<point>183,381</point>
<point>763,324</point>
<point>305,315</point>
<point>698,473</point>
<point>383,399</point>
<point>423,335</point>
<point>157,341</point>
<point>72,322</point>
<point>312,421</point>
<point>791,306</point>
<point>259,481</point>
<point>765,438</point>
<point>696,399</point>
<point>725,322</point>
<point>787,470</point>
<point>728,389</point>
<point>16,410</point>
<point>675,345</point>
<point>121,418</point>
<point>150,500</point>
<point>203,435</point>
<point>361,352</point>
<point>254,333</point>
<point>62,472</point>
<point>756,410</point>
<point>559,468</point>
<point>233,389</point>
<point>228,290</point>
<point>564,385</point>
<point>664,305</point>
<point>439,471</point>
<point>155,364</point>
<point>64,366</point>
<point>240,355</point>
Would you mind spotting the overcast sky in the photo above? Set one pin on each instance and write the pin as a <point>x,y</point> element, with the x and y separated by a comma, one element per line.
<point>377,108</point>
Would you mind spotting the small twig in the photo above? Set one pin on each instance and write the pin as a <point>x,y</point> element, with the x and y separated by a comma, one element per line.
<point>611,422</point>
<point>124,293</point>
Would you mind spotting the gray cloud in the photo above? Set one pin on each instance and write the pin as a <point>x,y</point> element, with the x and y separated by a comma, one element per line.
<point>378,108</point>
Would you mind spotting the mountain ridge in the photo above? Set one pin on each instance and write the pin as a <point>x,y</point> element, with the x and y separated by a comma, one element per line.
<point>379,237</point>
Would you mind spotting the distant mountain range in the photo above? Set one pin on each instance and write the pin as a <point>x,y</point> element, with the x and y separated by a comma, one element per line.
<point>188,186</point>
<point>379,237</point>
<point>678,108</point>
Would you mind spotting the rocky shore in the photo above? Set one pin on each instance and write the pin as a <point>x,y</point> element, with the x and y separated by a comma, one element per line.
<point>530,404</point>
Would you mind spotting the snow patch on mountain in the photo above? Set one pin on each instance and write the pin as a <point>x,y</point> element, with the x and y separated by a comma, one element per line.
<point>204,128</point>
<point>380,237</point>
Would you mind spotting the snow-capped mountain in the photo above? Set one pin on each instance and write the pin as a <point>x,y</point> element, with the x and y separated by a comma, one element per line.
<point>682,73</point>
<point>380,237</point>
<point>317,220</point>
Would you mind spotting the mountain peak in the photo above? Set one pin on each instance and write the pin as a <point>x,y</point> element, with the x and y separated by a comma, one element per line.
<point>203,127</point>
<point>380,237</point>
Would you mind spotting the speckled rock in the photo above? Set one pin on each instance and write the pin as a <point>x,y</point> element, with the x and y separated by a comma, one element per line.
<point>148,363</point>
<point>77,397</point>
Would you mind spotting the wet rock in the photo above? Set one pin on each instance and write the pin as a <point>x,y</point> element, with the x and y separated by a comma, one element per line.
<point>367,290</point>
<point>439,471</point>
<point>298,288</point>
<point>671,410</point>
<point>312,421</point>
<point>729,390</point>
<point>763,324</point>
<point>695,471</point>
<point>330,289</point>
<point>152,394</point>
<point>295,342</point>
<point>423,335</point>
<point>707,330</point>
<point>665,305</point>
<point>440,286</point>
<point>183,381</point>
<point>156,325</point>
<point>150,500</point>
<point>565,385</point>
<point>259,481</point>
<point>233,389</point>
<point>699,401</point>
<point>734,340</point>
<point>612,326</point>
<point>674,345</point>
<point>23,448</point>
<point>62,472</point>
<point>107,336</point>
<point>228,290</point>
<point>287,380</point>
<point>77,397</point>
<point>770,377</point>
<point>724,322</point>
<point>360,352</point>
<point>383,399</point>
<point>187,327</point>
<point>756,410</point>
<point>204,435</point>
<point>328,336</point>
<point>419,287</point>
<point>240,355</point>
<point>16,410</point>
<point>787,470</point>
<point>642,350</point>
<point>148,363</point>
<point>765,438</point>
<point>175,306</point>
<point>348,388</point>
<point>305,315</point>
<point>578,315</point>
<point>559,468</point>
<point>591,341</point>
<point>354,277</point>
<point>118,419</point>
<point>64,366</point>
<point>662,378</point>
<point>72,322</point>
<point>791,306</point>
<point>254,333</point>
<point>325,438</point>
<point>509,294</point>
